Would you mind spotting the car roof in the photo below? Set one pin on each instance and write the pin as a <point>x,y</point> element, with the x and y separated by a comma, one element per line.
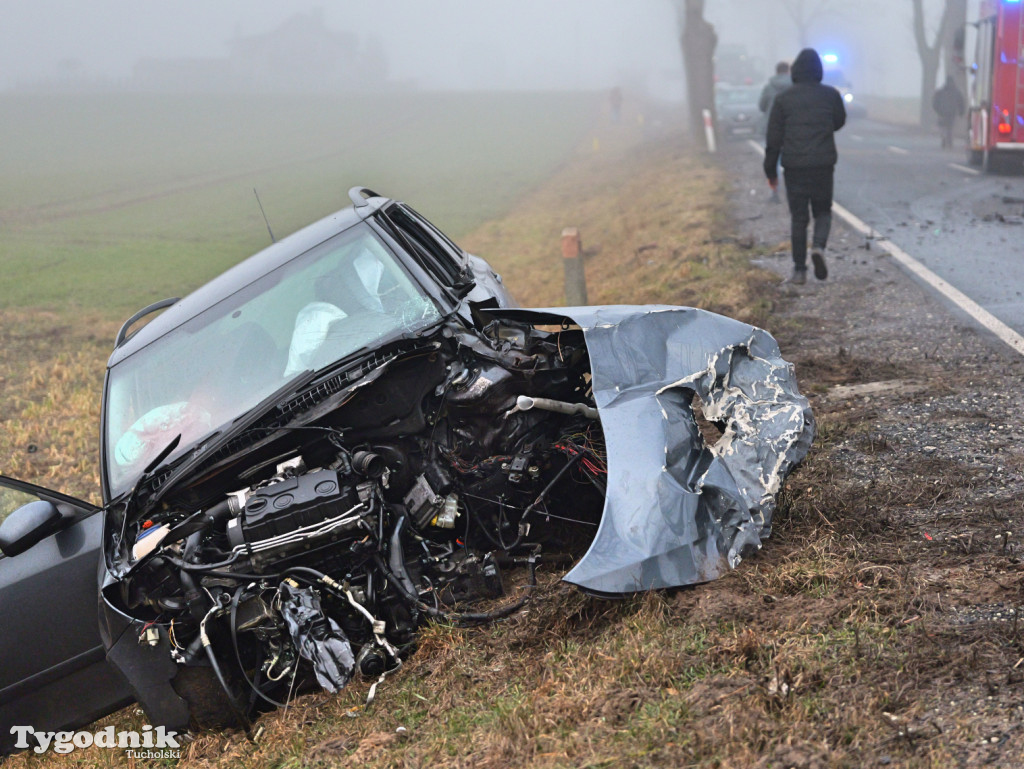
<point>236,278</point>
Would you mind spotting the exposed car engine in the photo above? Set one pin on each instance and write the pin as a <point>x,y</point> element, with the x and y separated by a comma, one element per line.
<point>315,547</point>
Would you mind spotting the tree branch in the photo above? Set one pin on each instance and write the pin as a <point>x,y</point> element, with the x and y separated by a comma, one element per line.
<point>921,36</point>
<point>803,17</point>
<point>819,10</point>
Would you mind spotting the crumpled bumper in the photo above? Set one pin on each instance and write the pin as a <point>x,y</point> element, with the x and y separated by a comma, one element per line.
<point>678,511</point>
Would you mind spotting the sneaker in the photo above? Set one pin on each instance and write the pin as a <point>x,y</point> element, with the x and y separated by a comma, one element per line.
<point>775,197</point>
<point>799,276</point>
<point>820,270</point>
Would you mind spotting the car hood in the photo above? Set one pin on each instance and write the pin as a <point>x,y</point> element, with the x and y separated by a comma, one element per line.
<point>678,511</point>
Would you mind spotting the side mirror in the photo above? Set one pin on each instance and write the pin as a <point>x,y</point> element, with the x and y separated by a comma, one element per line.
<point>28,525</point>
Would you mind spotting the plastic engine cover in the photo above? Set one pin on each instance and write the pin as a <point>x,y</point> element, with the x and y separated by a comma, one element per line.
<point>288,505</point>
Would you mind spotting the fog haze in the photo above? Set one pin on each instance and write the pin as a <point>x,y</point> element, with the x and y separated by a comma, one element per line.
<point>465,44</point>
<point>451,44</point>
<point>873,38</point>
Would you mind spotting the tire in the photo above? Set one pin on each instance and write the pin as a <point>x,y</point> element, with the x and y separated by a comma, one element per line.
<point>974,157</point>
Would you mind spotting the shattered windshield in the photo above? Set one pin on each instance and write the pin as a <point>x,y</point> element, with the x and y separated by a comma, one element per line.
<point>347,293</point>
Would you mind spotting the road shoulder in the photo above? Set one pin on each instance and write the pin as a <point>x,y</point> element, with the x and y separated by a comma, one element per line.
<point>913,486</point>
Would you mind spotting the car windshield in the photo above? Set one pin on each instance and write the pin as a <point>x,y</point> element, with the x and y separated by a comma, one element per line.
<point>738,95</point>
<point>835,77</point>
<point>347,293</point>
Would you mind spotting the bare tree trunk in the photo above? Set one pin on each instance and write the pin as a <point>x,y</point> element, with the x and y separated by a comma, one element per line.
<point>952,58</point>
<point>698,41</point>
<point>801,27</point>
<point>802,19</point>
<point>804,14</point>
<point>930,56</point>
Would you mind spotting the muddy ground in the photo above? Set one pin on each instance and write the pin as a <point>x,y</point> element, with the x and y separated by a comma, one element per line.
<point>918,472</point>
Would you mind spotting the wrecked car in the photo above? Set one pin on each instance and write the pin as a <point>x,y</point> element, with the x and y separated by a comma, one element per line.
<point>356,431</point>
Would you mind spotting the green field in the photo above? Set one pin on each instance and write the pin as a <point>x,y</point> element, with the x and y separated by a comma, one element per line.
<point>109,202</point>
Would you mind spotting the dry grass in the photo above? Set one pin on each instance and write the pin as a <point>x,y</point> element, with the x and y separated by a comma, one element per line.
<point>51,375</point>
<point>652,221</point>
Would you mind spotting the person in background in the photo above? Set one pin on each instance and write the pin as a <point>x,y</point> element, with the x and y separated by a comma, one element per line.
<point>948,103</point>
<point>801,129</point>
<point>776,84</point>
<point>615,103</point>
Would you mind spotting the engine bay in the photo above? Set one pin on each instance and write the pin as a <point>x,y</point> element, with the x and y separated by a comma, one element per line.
<point>412,493</point>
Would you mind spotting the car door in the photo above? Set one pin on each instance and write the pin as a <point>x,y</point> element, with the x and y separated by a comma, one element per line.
<point>53,669</point>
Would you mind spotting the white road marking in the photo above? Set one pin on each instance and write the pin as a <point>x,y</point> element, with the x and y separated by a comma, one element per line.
<point>965,169</point>
<point>898,150</point>
<point>909,263</point>
<point>955,295</point>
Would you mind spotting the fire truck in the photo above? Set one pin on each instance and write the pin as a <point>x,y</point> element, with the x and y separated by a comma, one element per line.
<point>996,115</point>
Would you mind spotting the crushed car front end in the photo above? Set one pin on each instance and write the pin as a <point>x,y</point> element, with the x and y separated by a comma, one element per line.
<point>353,432</point>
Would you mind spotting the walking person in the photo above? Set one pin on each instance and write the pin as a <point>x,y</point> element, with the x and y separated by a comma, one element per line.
<point>948,103</point>
<point>801,129</point>
<point>615,103</point>
<point>776,84</point>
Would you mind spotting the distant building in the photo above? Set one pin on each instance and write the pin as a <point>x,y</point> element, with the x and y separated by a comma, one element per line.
<point>303,54</point>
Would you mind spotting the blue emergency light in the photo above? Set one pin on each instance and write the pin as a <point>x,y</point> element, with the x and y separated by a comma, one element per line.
<point>831,58</point>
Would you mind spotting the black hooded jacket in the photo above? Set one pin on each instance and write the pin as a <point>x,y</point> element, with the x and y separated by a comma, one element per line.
<point>803,119</point>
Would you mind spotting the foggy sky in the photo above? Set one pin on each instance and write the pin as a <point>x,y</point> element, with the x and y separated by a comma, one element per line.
<point>872,38</point>
<point>441,43</point>
<point>591,44</point>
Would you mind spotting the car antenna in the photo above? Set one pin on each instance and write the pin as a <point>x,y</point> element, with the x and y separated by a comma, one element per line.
<point>267,221</point>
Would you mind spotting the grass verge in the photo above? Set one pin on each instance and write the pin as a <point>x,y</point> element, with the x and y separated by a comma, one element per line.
<point>802,657</point>
<point>111,202</point>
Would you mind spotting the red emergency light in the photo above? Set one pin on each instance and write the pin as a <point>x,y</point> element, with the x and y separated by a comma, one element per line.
<point>1004,126</point>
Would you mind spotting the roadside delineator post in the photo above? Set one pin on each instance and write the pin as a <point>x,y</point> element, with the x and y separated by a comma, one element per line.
<point>709,131</point>
<point>572,259</point>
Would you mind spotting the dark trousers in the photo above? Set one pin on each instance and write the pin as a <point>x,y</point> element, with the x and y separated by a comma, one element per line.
<point>809,188</point>
<point>947,135</point>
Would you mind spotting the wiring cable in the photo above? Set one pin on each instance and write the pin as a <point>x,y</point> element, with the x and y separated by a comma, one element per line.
<point>208,647</point>
<point>238,655</point>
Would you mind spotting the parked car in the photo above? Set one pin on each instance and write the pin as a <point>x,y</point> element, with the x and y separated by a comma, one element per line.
<point>835,78</point>
<point>739,117</point>
<point>354,431</point>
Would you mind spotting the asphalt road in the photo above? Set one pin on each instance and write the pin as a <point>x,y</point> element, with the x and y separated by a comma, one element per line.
<point>966,227</point>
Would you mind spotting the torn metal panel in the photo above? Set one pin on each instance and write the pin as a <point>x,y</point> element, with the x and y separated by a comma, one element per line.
<point>678,511</point>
